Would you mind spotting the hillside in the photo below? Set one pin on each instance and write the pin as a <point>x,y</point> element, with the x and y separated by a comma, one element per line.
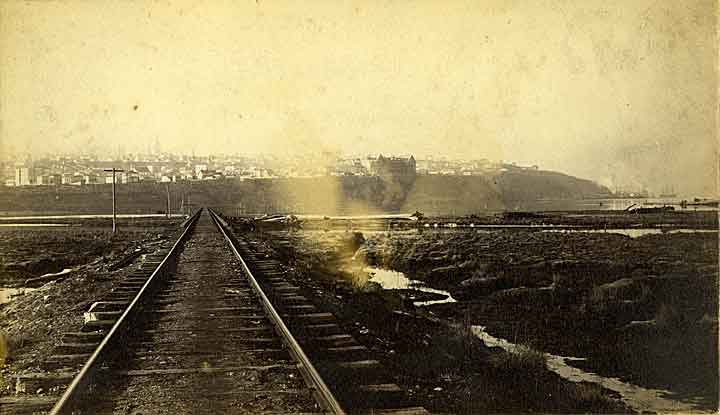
<point>321,195</point>
<point>520,187</point>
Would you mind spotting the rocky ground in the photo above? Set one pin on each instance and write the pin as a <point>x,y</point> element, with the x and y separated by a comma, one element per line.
<point>445,368</point>
<point>643,308</point>
<point>27,252</point>
<point>31,324</point>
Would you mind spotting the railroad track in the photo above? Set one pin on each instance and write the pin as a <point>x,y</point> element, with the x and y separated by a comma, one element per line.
<point>359,382</point>
<point>195,331</point>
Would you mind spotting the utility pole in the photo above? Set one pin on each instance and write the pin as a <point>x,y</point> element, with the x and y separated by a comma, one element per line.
<point>114,170</point>
<point>167,211</point>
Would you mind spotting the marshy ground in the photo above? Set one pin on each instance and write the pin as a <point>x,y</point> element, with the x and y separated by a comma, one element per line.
<point>643,309</point>
<point>31,323</point>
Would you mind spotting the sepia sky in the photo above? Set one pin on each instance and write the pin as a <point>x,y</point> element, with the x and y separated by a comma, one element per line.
<point>623,92</point>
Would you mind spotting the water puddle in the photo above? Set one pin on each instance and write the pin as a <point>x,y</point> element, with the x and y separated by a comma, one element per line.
<point>636,397</point>
<point>633,233</point>
<point>94,216</point>
<point>55,274</point>
<point>394,280</point>
<point>7,294</point>
<point>25,225</point>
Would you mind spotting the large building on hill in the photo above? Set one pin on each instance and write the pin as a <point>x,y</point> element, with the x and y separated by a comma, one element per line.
<point>393,166</point>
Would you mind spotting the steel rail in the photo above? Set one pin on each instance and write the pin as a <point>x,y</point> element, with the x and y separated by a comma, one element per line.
<point>71,397</point>
<point>321,391</point>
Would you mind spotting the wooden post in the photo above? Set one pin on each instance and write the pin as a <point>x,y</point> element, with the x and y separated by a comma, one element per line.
<point>113,202</point>
<point>114,170</point>
<point>167,211</point>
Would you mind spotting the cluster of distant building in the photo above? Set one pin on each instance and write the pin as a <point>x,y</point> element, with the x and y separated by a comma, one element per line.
<point>166,168</point>
<point>31,175</point>
<point>409,166</point>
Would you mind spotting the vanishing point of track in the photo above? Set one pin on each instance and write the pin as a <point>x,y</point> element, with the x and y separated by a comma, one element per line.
<point>195,332</point>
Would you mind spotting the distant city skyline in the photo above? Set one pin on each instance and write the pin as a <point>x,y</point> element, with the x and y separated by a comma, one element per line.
<point>143,152</point>
<point>149,155</point>
<point>85,168</point>
<point>620,93</point>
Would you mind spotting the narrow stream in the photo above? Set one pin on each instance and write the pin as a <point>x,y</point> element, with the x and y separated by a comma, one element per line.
<point>633,233</point>
<point>394,280</point>
<point>57,274</point>
<point>7,294</point>
<point>33,225</point>
<point>636,397</point>
<point>93,216</point>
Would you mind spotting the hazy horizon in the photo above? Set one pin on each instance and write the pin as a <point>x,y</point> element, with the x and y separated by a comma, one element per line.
<point>623,93</point>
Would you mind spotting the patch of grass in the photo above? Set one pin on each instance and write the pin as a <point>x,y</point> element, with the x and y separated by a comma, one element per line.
<point>585,397</point>
<point>523,359</point>
<point>668,317</point>
<point>523,376</point>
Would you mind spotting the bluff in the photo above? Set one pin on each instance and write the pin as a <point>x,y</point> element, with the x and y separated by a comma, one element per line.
<point>329,195</point>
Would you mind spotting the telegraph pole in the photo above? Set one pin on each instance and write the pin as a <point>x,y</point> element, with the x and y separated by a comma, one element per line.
<point>114,170</point>
<point>167,189</point>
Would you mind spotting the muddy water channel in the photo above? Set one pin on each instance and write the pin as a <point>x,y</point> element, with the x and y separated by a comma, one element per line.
<point>33,225</point>
<point>394,280</point>
<point>636,397</point>
<point>633,310</point>
<point>633,233</point>
<point>8,294</point>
